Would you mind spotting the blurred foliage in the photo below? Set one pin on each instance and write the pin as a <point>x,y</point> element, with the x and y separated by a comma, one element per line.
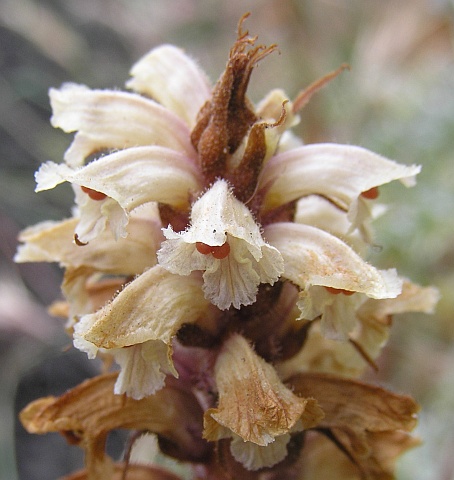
<point>398,100</point>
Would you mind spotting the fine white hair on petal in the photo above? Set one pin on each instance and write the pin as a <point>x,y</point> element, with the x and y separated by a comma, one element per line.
<point>166,176</point>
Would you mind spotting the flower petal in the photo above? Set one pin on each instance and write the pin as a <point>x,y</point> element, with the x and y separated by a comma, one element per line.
<point>132,177</point>
<point>356,405</point>
<point>151,307</point>
<point>219,219</point>
<point>53,242</point>
<point>165,176</point>
<point>357,415</point>
<point>135,472</point>
<point>373,321</point>
<point>107,119</point>
<point>143,368</point>
<point>146,314</point>
<point>314,257</point>
<point>88,412</point>
<point>319,212</point>
<point>338,172</point>
<point>375,315</point>
<point>253,456</point>
<point>337,311</point>
<point>173,79</point>
<point>253,403</point>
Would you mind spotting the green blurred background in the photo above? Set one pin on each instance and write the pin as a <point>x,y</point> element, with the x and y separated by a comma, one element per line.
<point>398,100</point>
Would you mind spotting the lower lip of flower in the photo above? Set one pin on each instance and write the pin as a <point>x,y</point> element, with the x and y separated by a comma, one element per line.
<point>218,252</point>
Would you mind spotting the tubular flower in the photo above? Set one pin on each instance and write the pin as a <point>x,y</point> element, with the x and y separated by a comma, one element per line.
<point>225,242</point>
<point>219,262</point>
<point>271,410</point>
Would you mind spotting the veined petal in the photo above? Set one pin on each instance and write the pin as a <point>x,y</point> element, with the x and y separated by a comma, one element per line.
<point>143,368</point>
<point>132,177</point>
<point>374,315</point>
<point>366,423</point>
<point>253,403</point>
<point>173,79</point>
<point>373,322</point>
<point>338,172</point>
<point>253,456</point>
<point>107,120</point>
<point>138,327</point>
<point>314,257</point>
<point>129,178</point>
<point>319,212</point>
<point>86,290</point>
<point>151,307</point>
<point>91,410</point>
<point>219,220</point>
<point>337,312</point>
<point>53,242</point>
<point>95,216</point>
<point>356,406</point>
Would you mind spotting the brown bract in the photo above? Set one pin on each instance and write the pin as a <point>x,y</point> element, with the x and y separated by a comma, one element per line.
<point>224,121</point>
<point>366,423</point>
<point>86,414</point>
<point>134,472</point>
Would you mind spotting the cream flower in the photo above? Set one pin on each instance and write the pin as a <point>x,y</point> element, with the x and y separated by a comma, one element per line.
<point>53,242</point>
<point>94,272</point>
<point>340,173</point>
<point>224,242</point>
<point>313,257</point>
<point>157,161</point>
<point>144,368</point>
<point>372,321</point>
<point>173,79</point>
<point>166,176</point>
<point>145,316</point>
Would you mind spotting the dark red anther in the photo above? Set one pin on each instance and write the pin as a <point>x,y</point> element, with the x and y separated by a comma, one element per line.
<point>221,252</point>
<point>371,194</point>
<point>203,248</point>
<point>337,291</point>
<point>94,194</point>
<point>218,252</point>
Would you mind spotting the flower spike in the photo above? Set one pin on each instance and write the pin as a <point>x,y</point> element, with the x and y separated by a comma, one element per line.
<point>216,265</point>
